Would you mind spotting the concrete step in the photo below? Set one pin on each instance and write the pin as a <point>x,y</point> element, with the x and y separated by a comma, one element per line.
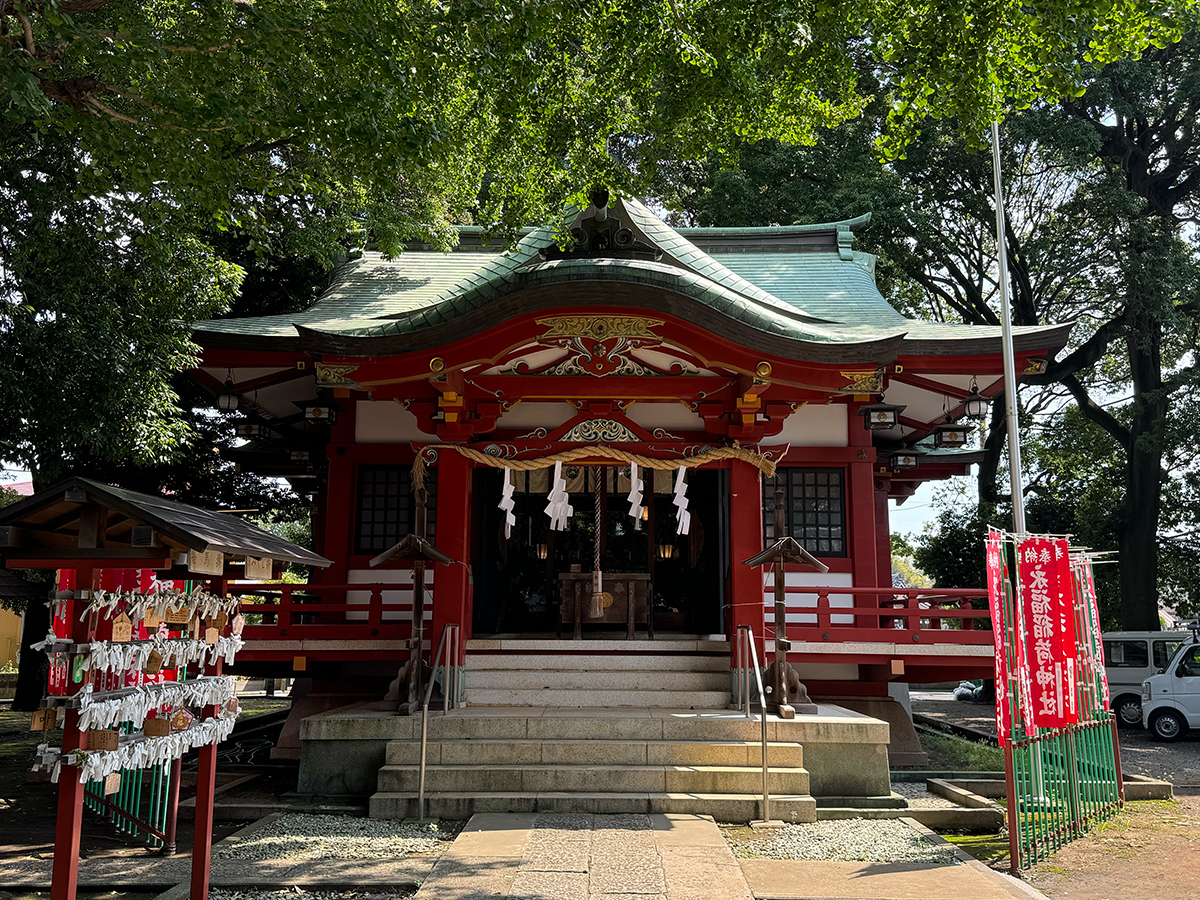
<point>723,807</point>
<point>584,752</point>
<point>559,724</point>
<point>602,778</point>
<point>662,699</point>
<point>591,680</point>
<point>675,662</point>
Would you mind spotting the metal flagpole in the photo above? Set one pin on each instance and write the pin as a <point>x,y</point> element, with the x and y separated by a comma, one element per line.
<point>1006,342</point>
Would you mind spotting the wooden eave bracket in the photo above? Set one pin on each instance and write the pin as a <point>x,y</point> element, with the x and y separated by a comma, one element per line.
<point>789,550</point>
<point>413,547</point>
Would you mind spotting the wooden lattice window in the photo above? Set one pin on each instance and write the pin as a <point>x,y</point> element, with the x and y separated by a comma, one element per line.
<point>814,511</point>
<point>384,510</point>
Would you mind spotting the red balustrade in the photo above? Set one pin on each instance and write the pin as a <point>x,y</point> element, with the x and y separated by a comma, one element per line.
<point>891,615</point>
<point>322,611</point>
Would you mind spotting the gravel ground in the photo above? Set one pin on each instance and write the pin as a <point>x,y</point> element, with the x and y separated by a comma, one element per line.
<point>920,798</point>
<point>864,840</point>
<point>301,836</point>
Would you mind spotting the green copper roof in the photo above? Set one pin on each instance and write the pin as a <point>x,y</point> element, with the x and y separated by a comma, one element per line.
<point>799,288</point>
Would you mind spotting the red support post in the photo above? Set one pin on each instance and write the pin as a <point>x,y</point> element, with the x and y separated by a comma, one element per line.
<point>65,870</point>
<point>746,599</point>
<point>206,783</point>
<point>452,584</point>
<point>861,502</point>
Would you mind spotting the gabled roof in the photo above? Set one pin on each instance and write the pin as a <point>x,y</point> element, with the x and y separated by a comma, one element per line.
<point>56,511</point>
<point>801,286</point>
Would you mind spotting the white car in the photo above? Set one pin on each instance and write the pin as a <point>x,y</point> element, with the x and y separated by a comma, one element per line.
<point>1130,657</point>
<point>1171,699</point>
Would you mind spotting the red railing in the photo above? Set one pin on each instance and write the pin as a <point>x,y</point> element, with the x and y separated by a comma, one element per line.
<point>892,615</point>
<point>326,611</point>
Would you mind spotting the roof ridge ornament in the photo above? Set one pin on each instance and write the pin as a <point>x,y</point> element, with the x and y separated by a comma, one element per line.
<point>597,233</point>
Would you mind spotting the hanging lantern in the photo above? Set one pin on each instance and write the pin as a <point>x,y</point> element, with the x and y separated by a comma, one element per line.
<point>227,400</point>
<point>951,435</point>
<point>666,551</point>
<point>318,412</point>
<point>976,405</point>
<point>543,550</point>
<point>900,461</point>
<point>880,416</point>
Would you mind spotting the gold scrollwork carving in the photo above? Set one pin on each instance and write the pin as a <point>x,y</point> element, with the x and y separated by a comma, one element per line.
<point>332,375</point>
<point>862,382</point>
<point>599,328</point>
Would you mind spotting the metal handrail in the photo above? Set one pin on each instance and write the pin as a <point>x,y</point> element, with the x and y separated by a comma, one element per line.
<point>450,687</point>
<point>752,651</point>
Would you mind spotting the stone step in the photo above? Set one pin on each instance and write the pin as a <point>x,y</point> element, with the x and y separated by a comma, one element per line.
<point>582,752</point>
<point>503,723</point>
<point>694,644</point>
<point>667,699</point>
<point>595,662</point>
<point>591,680</point>
<point>593,778</point>
<point>723,807</point>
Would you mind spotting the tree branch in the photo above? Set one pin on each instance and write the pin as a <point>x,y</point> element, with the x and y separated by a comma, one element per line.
<point>1098,414</point>
<point>1086,354</point>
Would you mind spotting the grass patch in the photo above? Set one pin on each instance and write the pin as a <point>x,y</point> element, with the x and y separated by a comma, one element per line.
<point>257,706</point>
<point>984,847</point>
<point>951,753</point>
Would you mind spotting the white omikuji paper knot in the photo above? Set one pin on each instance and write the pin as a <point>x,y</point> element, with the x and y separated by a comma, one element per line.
<point>135,706</point>
<point>681,503</point>
<point>507,503</point>
<point>558,508</point>
<point>635,496</point>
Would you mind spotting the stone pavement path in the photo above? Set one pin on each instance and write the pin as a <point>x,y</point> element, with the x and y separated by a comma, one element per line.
<point>543,856</point>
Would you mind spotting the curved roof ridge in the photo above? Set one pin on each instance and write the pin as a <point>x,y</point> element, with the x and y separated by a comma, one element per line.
<point>688,256</point>
<point>777,230</point>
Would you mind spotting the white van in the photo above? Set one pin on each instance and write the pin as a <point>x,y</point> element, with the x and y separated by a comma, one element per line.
<point>1171,699</point>
<point>1130,657</point>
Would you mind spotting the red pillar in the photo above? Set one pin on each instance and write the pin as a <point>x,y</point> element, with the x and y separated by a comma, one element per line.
<point>206,783</point>
<point>65,871</point>
<point>883,533</point>
<point>746,605</point>
<point>452,583</point>
<point>864,553</point>
<point>337,527</point>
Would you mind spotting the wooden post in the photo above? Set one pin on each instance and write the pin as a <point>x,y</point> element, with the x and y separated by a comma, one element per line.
<point>206,783</point>
<point>779,698</point>
<point>745,540</point>
<point>417,637</point>
<point>172,808</point>
<point>65,870</point>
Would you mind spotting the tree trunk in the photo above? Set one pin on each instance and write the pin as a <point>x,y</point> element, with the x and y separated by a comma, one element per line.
<point>1143,479</point>
<point>34,667</point>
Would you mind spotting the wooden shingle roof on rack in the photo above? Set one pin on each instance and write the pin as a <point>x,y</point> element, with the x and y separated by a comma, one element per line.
<point>81,519</point>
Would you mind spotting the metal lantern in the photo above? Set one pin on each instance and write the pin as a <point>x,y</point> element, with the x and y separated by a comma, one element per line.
<point>900,461</point>
<point>298,455</point>
<point>227,400</point>
<point>666,551</point>
<point>318,412</point>
<point>976,405</point>
<point>951,435</point>
<point>880,416</point>
<point>249,429</point>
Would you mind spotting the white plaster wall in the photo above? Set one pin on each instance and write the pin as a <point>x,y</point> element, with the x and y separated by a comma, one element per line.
<point>798,602</point>
<point>536,415</point>
<point>405,597</point>
<point>675,417</point>
<point>825,425</point>
<point>386,422</point>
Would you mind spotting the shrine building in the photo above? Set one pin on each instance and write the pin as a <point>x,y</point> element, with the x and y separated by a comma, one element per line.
<point>600,433</point>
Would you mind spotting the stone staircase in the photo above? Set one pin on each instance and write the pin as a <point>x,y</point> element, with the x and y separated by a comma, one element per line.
<point>662,674</point>
<point>599,732</point>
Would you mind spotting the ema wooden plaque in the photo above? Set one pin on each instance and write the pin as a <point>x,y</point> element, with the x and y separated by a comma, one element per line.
<point>238,624</point>
<point>154,663</point>
<point>211,635</point>
<point>221,620</point>
<point>103,739</point>
<point>112,783</point>
<point>44,719</point>
<point>151,619</point>
<point>232,706</point>
<point>181,720</point>
<point>178,616</point>
<point>122,629</point>
<point>156,727</point>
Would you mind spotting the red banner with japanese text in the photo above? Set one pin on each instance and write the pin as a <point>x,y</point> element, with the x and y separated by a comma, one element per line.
<point>1002,635</point>
<point>1047,606</point>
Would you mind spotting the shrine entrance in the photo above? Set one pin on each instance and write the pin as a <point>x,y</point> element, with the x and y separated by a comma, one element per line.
<point>526,584</point>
